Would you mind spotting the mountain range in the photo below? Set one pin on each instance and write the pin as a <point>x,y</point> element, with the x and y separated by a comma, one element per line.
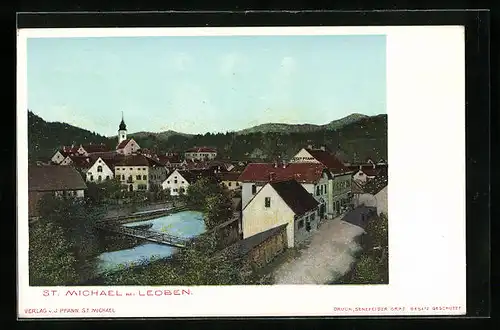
<point>356,136</point>
<point>266,128</point>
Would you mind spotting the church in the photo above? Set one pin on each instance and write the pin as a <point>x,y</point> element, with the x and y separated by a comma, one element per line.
<point>125,145</point>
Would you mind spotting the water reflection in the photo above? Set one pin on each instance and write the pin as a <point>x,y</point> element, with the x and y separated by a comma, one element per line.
<point>186,224</point>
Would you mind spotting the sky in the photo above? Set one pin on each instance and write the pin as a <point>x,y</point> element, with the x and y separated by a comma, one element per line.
<point>199,84</point>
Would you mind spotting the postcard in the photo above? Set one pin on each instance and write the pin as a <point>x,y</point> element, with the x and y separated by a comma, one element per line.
<point>196,172</point>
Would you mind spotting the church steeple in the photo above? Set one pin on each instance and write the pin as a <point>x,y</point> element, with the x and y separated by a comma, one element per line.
<point>122,131</point>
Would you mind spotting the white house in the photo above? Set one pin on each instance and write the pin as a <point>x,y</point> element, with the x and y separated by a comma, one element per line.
<point>59,157</point>
<point>278,203</point>
<point>127,147</point>
<point>99,171</point>
<point>179,180</point>
<point>200,153</point>
<point>314,178</point>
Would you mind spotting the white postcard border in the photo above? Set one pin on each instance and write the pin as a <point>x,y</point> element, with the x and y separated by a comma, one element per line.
<point>426,152</point>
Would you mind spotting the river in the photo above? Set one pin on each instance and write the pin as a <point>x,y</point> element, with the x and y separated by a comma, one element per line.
<point>117,250</point>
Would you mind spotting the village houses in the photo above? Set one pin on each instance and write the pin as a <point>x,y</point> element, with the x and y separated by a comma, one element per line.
<point>339,184</point>
<point>282,203</point>
<point>138,172</point>
<point>55,180</point>
<point>230,180</point>
<point>314,177</point>
<point>200,153</point>
<point>178,181</point>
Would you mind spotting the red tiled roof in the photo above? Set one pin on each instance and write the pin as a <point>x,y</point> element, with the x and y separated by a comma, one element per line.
<point>301,172</point>
<point>105,155</point>
<point>123,144</point>
<point>202,149</point>
<point>328,159</point>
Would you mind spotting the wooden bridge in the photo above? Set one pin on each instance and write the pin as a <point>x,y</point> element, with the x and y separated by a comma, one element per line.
<point>152,236</point>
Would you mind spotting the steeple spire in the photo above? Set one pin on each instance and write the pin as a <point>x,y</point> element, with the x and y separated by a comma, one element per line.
<point>122,127</point>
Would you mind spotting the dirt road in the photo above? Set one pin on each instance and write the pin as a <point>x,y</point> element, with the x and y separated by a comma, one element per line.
<point>328,255</point>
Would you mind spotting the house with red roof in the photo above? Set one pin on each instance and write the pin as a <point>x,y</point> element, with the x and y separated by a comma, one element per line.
<point>200,153</point>
<point>314,177</point>
<point>278,203</point>
<point>339,185</point>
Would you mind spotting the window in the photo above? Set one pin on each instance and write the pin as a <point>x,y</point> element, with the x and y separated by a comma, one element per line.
<point>237,184</point>
<point>267,202</point>
<point>99,168</point>
<point>168,182</point>
<point>144,177</point>
<point>322,189</point>
<point>312,217</point>
<point>175,181</point>
<point>123,177</point>
<point>91,177</point>
<point>254,189</point>
<point>144,168</point>
<point>99,178</point>
<point>138,177</point>
<point>301,224</point>
<point>131,168</point>
<point>317,190</point>
<point>229,183</point>
<point>182,181</point>
<point>107,177</point>
<point>175,189</point>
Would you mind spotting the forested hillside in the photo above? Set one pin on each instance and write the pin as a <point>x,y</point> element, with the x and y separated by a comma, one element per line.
<point>362,137</point>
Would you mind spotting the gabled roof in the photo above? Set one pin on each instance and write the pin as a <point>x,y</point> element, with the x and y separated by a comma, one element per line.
<point>91,148</point>
<point>123,144</point>
<point>194,175</point>
<point>295,196</point>
<point>201,149</point>
<point>370,170</point>
<point>105,155</point>
<point>328,159</point>
<point>228,176</point>
<point>136,160</point>
<point>264,172</point>
<point>54,178</point>
<point>80,161</point>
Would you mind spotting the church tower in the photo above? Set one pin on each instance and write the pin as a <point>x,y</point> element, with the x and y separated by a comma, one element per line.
<point>122,131</point>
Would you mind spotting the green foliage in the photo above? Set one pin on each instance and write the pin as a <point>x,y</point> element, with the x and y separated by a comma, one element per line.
<point>212,199</point>
<point>104,192</point>
<point>359,137</point>
<point>194,265</point>
<point>218,209</point>
<point>51,261</point>
<point>372,266</point>
<point>76,219</point>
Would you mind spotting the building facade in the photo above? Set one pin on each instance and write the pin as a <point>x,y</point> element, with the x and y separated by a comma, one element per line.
<point>99,172</point>
<point>200,153</point>
<point>281,203</point>
<point>133,172</point>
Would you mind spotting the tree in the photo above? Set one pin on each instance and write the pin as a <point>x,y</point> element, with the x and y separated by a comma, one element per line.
<point>194,265</point>
<point>218,209</point>
<point>76,219</point>
<point>51,261</point>
<point>199,190</point>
